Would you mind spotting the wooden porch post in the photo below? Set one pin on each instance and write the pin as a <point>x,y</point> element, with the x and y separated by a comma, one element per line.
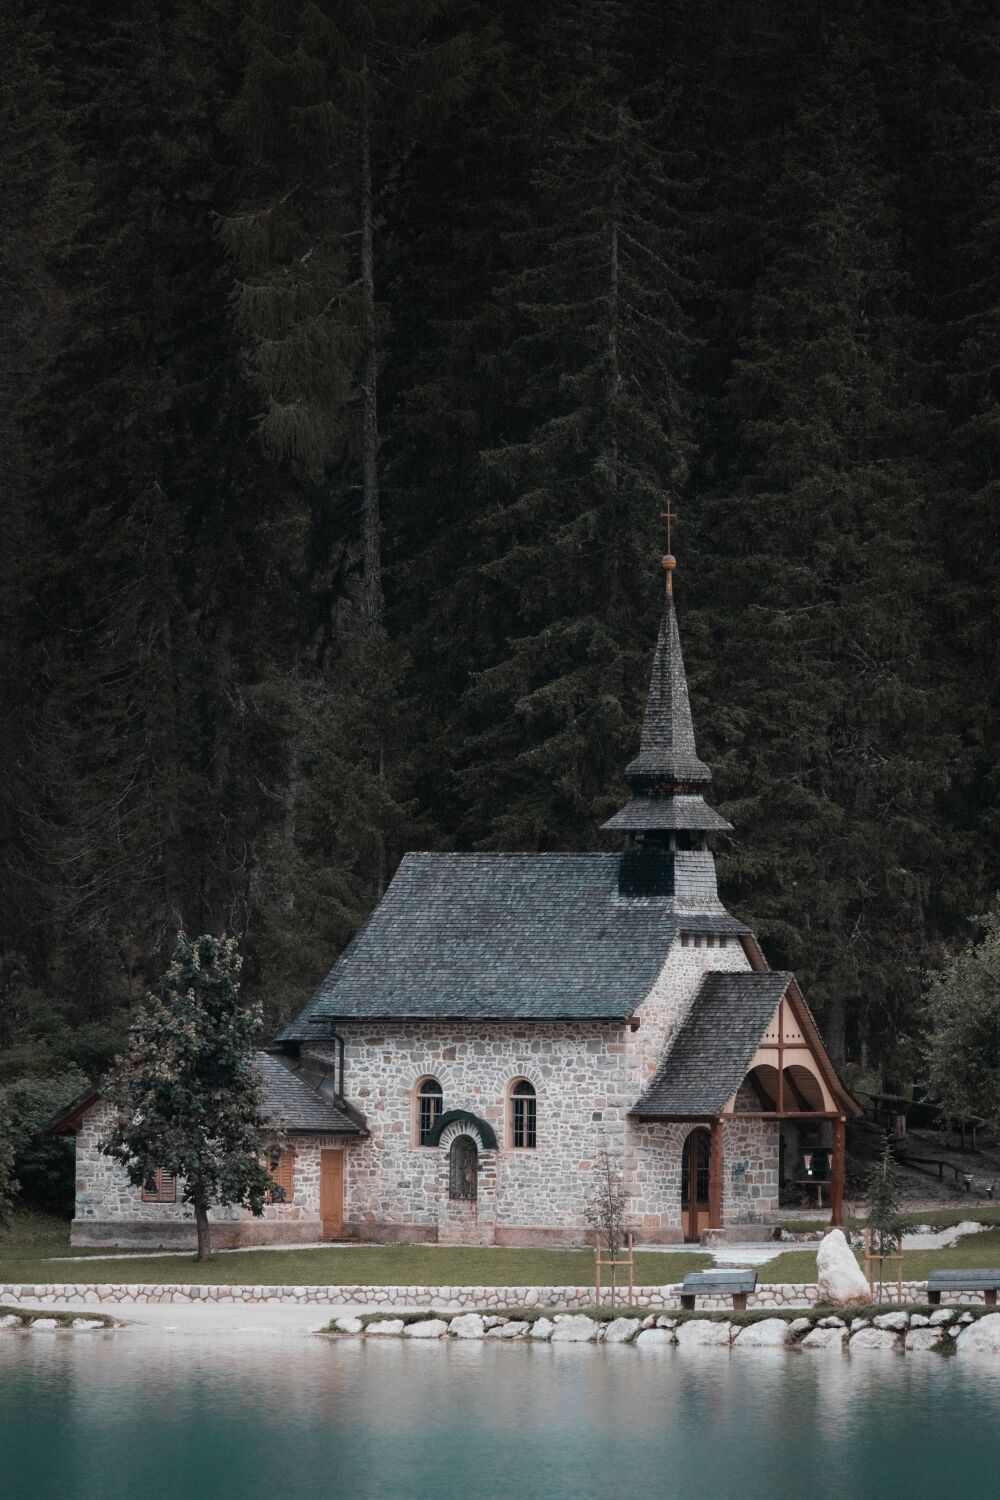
<point>715,1170</point>
<point>837,1176</point>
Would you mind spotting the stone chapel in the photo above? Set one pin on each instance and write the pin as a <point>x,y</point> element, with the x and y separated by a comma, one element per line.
<point>501,1018</point>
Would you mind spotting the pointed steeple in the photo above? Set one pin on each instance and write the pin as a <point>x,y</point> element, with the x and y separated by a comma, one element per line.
<point>667,756</point>
<point>666,776</point>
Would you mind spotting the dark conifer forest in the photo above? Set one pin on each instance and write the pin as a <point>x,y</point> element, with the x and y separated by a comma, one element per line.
<point>349,353</point>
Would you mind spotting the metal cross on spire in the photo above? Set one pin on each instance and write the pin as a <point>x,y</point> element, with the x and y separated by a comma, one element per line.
<point>669,561</point>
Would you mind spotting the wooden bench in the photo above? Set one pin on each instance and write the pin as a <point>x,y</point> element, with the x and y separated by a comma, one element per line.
<point>722,1283</point>
<point>987,1282</point>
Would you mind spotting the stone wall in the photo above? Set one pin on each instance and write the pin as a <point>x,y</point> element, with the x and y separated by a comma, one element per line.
<point>396,1186</point>
<point>111,1211</point>
<point>667,1296</point>
<point>586,1077</point>
<point>653,1147</point>
<point>751,1150</point>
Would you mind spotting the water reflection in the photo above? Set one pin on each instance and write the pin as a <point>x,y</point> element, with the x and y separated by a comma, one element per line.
<point>164,1418</point>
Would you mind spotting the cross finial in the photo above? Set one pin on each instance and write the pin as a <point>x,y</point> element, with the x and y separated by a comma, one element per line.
<point>669,561</point>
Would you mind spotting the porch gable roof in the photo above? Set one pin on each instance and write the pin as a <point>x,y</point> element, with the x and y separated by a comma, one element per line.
<point>713,1049</point>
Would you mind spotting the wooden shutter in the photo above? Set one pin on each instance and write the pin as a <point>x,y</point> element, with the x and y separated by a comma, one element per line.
<point>284,1173</point>
<point>161,1188</point>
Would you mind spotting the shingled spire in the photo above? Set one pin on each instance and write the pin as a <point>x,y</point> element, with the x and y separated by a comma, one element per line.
<point>667,758</point>
<point>666,776</point>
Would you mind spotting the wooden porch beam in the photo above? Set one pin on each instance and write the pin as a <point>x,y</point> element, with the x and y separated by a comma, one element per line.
<point>783,1114</point>
<point>837,1174</point>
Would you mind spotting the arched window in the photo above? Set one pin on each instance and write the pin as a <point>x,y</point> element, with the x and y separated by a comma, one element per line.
<point>463,1169</point>
<point>523,1116</point>
<point>430,1103</point>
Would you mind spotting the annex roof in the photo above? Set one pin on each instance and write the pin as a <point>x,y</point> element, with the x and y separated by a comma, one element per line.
<point>498,937</point>
<point>295,1105</point>
<point>716,1042</point>
<point>289,1101</point>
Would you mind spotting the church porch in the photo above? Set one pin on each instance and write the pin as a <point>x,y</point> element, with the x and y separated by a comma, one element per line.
<point>744,1082</point>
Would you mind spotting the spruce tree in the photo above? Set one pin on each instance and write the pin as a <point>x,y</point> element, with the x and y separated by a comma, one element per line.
<point>827,721</point>
<point>570,502</point>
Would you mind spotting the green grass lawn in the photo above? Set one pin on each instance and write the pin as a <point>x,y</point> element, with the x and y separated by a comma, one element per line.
<point>937,1218</point>
<point>26,1248</point>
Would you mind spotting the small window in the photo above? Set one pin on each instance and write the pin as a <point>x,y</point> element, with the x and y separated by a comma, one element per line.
<point>430,1103</point>
<point>523,1114</point>
<point>161,1187</point>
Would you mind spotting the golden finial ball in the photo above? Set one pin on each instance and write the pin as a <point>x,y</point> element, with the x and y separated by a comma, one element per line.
<point>670,562</point>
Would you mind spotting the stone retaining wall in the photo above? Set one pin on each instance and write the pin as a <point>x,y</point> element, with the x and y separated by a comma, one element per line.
<point>785,1294</point>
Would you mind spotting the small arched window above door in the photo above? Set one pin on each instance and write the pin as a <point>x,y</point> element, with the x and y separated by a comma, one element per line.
<point>430,1103</point>
<point>463,1169</point>
<point>523,1116</point>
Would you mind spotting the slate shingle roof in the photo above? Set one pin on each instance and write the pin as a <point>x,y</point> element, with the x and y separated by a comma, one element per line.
<point>498,937</point>
<point>644,813</point>
<point>711,1052</point>
<point>294,1105</point>
<point>666,748</point>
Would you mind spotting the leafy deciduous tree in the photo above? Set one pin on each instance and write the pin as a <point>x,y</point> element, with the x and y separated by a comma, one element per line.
<point>186,1094</point>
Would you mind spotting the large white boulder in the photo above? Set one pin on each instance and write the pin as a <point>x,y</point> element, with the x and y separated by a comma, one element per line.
<point>513,1330</point>
<point>427,1328</point>
<point>766,1334</point>
<point>841,1280</point>
<point>348,1324</point>
<point>385,1325</point>
<point>981,1337</point>
<point>899,1322</point>
<point>622,1330</point>
<point>699,1331</point>
<point>575,1330</point>
<point>467,1326</point>
<point>654,1336</point>
<point>541,1328</point>
<point>824,1338</point>
<point>874,1338</point>
<point>919,1340</point>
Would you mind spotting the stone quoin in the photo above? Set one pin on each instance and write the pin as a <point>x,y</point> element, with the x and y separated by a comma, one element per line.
<point>503,1019</point>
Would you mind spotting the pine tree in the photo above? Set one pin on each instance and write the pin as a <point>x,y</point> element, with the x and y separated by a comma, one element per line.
<point>186,1096</point>
<point>597,346</point>
<point>827,722</point>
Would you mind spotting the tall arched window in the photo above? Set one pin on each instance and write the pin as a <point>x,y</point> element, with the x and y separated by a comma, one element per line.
<point>523,1116</point>
<point>430,1103</point>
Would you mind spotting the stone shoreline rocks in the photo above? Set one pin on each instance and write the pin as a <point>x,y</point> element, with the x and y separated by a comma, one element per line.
<point>897,1332</point>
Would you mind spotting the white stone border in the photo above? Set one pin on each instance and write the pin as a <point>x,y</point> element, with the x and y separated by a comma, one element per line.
<point>452,1298</point>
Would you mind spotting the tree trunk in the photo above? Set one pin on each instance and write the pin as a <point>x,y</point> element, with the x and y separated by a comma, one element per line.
<point>835,1030</point>
<point>200,1205</point>
<point>373,600</point>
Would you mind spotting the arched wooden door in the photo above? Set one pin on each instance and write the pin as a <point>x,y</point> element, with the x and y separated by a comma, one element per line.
<point>695,1166</point>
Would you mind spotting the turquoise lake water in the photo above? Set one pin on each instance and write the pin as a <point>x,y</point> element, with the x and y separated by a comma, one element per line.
<point>137,1417</point>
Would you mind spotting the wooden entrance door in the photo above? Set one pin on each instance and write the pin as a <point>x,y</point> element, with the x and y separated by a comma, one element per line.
<point>331,1193</point>
<point>695,1172</point>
